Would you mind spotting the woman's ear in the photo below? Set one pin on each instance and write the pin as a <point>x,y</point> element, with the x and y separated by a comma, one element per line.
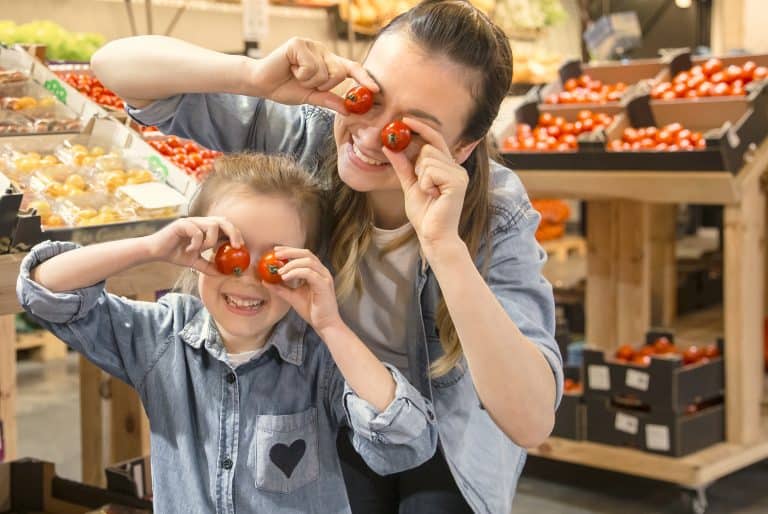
<point>462,151</point>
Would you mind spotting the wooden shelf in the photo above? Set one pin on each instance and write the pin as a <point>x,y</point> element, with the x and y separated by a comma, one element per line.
<point>695,470</point>
<point>703,187</point>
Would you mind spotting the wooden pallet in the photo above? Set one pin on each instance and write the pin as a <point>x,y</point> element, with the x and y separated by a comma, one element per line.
<point>41,346</point>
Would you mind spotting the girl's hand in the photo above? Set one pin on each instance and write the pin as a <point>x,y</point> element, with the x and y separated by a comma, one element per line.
<point>315,297</point>
<point>434,187</point>
<point>304,71</point>
<point>183,241</point>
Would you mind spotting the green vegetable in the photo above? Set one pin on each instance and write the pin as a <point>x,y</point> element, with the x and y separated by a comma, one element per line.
<point>61,44</point>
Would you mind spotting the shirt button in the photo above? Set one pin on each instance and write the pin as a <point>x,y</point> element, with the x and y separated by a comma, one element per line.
<point>231,378</point>
<point>227,464</point>
<point>430,415</point>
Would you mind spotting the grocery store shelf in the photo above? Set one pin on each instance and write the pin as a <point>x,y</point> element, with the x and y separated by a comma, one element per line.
<point>695,470</point>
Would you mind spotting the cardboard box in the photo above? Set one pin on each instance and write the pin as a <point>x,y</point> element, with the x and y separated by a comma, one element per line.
<point>666,433</point>
<point>570,418</point>
<point>666,385</point>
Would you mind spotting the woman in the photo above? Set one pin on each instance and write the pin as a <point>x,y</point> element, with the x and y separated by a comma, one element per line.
<point>461,307</point>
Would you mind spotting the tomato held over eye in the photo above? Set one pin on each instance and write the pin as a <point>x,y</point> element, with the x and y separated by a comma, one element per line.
<point>230,260</point>
<point>396,136</point>
<point>268,266</point>
<point>358,100</point>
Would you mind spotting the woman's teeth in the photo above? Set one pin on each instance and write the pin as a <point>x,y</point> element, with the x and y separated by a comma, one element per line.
<point>242,303</point>
<point>364,158</point>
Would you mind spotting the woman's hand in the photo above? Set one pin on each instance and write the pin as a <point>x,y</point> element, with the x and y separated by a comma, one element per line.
<point>183,241</point>
<point>315,298</point>
<point>434,188</point>
<point>304,71</point>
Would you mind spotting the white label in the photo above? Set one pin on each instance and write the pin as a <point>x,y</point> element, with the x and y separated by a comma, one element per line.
<point>599,378</point>
<point>638,379</point>
<point>626,423</point>
<point>657,437</point>
<point>5,183</point>
<point>154,195</point>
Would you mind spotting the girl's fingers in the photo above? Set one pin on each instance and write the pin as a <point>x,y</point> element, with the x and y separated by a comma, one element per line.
<point>316,282</point>
<point>357,72</point>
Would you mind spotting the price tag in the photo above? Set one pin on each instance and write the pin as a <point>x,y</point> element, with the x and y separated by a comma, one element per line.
<point>55,87</point>
<point>626,423</point>
<point>637,379</point>
<point>153,195</point>
<point>657,437</point>
<point>157,167</point>
<point>599,377</point>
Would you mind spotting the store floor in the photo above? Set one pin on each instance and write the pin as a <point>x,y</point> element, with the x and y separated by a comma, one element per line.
<point>49,428</point>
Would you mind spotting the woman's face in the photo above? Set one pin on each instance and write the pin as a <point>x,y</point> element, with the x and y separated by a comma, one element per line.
<point>431,89</point>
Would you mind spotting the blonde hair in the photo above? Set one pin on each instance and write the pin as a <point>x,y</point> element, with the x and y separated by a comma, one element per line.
<point>255,173</point>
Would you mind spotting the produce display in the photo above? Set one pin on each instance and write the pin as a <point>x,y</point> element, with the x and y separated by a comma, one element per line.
<point>26,107</point>
<point>710,79</point>
<point>554,215</point>
<point>664,348</point>
<point>584,89</point>
<point>192,158</point>
<point>554,133</point>
<point>93,89</point>
<point>76,186</point>
<point>60,44</point>
<point>670,138</point>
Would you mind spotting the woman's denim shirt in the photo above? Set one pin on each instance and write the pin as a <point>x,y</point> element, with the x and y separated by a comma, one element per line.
<point>484,461</point>
<point>257,438</point>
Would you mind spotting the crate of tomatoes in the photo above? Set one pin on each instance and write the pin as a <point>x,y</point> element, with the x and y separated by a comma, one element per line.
<point>192,158</point>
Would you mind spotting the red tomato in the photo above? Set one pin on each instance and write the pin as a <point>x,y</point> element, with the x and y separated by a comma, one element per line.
<point>584,115</point>
<point>681,78</point>
<point>662,345</point>
<point>760,73</point>
<point>641,360</point>
<point>721,89</point>
<point>230,260</point>
<point>553,130</point>
<point>712,65</point>
<point>625,352</point>
<point>747,69</point>
<point>691,355</point>
<point>191,148</point>
<point>664,136</point>
<point>358,100</point>
<point>697,70</point>
<point>669,95</point>
<point>546,119</point>
<point>268,266</point>
<point>704,89</point>
<point>673,128</point>
<point>711,351</point>
<point>732,72</point>
<point>680,89</point>
<point>570,84</point>
<point>717,77</point>
<point>396,136</point>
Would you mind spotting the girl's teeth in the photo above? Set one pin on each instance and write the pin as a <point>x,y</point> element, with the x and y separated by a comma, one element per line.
<point>365,158</point>
<point>249,304</point>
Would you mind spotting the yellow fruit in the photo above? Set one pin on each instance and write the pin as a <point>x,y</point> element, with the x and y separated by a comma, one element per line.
<point>89,160</point>
<point>54,220</point>
<point>79,149</point>
<point>33,156</point>
<point>42,207</point>
<point>97,151</point>
<point>49,160</point>
<point>55,190</point>
<point>79,158</point>
<point>47,101</point>
<point>76,181</point>
<point>26,165</point>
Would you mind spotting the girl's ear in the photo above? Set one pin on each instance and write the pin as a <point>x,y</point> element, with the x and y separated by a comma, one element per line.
<point>462,151</point>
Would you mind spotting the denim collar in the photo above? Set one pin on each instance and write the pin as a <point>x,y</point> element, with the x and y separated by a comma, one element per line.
<point>287,336</point>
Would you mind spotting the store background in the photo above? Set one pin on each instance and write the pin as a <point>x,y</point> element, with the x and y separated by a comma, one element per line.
<point>47,410</point>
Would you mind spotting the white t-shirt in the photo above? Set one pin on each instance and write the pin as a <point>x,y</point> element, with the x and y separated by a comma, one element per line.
<point>378,315</point>
<point>238,359</point>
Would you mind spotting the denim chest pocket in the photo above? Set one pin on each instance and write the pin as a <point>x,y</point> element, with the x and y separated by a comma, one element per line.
<point>286,451</point>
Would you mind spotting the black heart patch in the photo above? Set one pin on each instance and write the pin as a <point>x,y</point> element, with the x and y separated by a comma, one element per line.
<point>288,457</point>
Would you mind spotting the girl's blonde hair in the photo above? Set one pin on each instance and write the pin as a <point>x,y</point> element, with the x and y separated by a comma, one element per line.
<point>274,175</point>
<point>457,30</point>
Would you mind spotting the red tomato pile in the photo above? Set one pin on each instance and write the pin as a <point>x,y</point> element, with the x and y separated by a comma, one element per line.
<point>94,89</point>
<point>554,133</point>
<point>572,386</point>
<point>671,138</point>
<point>662,346</point>
<point>710,79</point>
<point>587,90</point>
<point>195,160</point>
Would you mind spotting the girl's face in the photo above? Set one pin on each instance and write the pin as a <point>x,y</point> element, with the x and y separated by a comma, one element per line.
<point>432,89</point>
<point>242,307</point>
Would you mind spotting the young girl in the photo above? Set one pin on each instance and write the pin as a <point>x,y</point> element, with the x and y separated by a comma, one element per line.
<point>244,400</point>
<point>461,307</point>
